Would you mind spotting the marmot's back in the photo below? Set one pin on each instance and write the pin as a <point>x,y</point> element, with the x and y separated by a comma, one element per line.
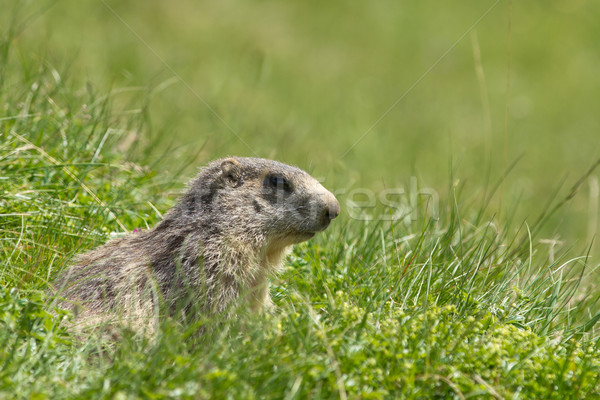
<point>216,246</point>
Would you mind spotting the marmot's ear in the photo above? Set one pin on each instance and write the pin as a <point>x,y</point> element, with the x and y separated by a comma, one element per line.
<point>230,171</point>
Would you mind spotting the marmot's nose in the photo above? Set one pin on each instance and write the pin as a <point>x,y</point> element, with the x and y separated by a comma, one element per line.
<point>327,209</point>
<point>332,208</point>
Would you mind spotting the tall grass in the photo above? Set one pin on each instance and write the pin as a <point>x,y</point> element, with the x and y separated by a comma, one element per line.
<point>460,307</point>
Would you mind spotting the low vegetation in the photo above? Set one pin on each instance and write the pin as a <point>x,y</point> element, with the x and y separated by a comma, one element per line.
<point>456,307</point>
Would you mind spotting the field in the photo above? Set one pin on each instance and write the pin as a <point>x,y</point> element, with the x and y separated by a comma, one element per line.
<point>461,140</point>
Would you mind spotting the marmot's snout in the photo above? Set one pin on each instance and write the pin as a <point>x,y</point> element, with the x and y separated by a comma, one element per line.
<point>331,209</point>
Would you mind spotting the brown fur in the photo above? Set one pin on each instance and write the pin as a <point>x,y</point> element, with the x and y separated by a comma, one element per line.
<point>215,247</point>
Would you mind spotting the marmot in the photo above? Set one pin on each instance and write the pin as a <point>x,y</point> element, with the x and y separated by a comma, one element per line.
<point>215,247</point>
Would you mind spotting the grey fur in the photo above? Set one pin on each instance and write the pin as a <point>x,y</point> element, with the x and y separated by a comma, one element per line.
<point>215,247</point>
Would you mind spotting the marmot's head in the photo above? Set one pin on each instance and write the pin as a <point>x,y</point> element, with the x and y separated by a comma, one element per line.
<point>254,196</point>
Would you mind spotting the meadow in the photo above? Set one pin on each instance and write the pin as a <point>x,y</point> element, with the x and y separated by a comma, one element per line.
<point>461,140</point>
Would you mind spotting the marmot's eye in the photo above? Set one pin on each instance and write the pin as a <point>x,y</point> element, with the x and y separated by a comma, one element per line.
<point>278,182</point>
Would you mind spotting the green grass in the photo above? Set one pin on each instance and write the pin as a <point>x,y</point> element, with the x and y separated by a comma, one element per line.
<point>470,305</point>
<point>303,81</point>
<point>414,309</point>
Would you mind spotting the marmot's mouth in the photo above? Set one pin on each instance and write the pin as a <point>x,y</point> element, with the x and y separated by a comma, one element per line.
<point>298,237</point>
<point>306,235</point>
<point>293,238</point>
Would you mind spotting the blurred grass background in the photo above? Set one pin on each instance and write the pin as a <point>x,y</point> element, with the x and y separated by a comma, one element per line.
<point>362,94</point>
